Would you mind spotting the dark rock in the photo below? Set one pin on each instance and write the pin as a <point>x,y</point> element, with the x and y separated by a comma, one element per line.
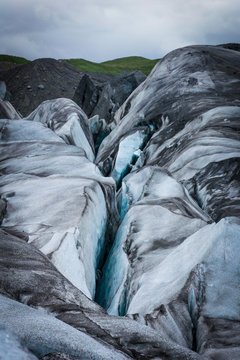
<point>105,98</point>
<point>87,94</point>
<point>89,90</point>
<point>231,46</point>
<point>6,65</point>
<point>3,206</point>
<point>54,74</point>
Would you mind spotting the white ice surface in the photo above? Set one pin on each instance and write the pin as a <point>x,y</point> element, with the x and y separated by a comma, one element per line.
<point>20,131</point>
<point>65,118</point>
<point>54,194</point>
<point>222,282</point>
<point>162,284</point>
<point>59,219</point>
<point>11,349</point>
<point>170,81</point>
<point>152,183</point>
<point>161,216</point>
<point>43,334</point>
<point>128,148</point>
<point>203,142</point>
<point>73,129</point>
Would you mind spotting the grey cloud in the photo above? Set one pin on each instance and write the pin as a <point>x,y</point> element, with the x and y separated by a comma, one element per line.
<point>22,19</point>
<point>103,29</point>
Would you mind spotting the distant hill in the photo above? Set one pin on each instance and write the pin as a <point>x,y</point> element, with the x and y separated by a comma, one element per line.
<point>13,59</point>
<point>116,66</point>
<point>8,61</point>
<point>130,63</point>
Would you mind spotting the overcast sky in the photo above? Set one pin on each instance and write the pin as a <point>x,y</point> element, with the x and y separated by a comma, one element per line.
<point>100,30</point>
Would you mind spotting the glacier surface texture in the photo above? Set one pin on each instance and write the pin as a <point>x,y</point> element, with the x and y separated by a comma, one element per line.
<point>132,252</point>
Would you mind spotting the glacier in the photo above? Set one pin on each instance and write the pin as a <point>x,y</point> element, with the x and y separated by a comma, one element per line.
<point>174,195</point>
<point>56,196</point>
<point>11,349</point>
<point>130,252</point>
<point>128,152</point>
<point>52,334</point>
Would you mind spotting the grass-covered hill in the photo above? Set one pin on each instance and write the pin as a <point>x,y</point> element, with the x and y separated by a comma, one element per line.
<point>116,66</point>
<point>8,61</point>
<point>13,59</point>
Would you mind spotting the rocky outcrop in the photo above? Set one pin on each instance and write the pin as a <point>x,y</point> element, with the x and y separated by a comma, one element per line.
<point>45,79</point>
<point>104,99</point>
<point>87,94</point>
<point>58,80</point>
<point>232,46</point>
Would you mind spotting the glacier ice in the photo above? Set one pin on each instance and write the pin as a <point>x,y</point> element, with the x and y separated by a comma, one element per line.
<point>68,121</point>
<point>172,272</point>
<point>187,177</point>
<point>168,92</point>
<point>33,280</point>
<point>161,216</point>
<point>55,198</point>
<point>50,334</point>
<point>11,349</point>
<point>128,153</point>
<point>214,240</point>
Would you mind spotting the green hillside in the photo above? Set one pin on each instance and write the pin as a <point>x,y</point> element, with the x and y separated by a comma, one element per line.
<point>116,66</point>
<point>13,59</point>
